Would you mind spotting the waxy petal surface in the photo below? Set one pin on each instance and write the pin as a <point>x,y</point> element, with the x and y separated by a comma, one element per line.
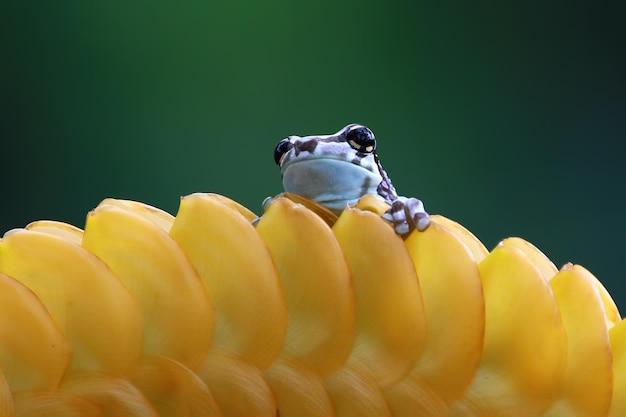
<point>588,384</point>
<point>611,312</point>
<point>454,310</point>
<point>114,396</point>
<point>472,243</point>
<point>351,321</point>
<point>66,231</point>
<point>7,403</point>
<point>371,203</point>
<point>541,261</point>
<point>325,214</point>
<point>522,363</point>
<point>618,348</point>
<point>245,289</point>
<point>33,353</point>
<point>157,216</point>
<point>356,393</point>
<point>81,294</point>
<point>238,387</point>
<point>247,214</point>
<point>177,314</point>
<point>316,285</point>
<point>299,392</point>
<point>413,396</point>
<point>54,404</point>
<point>173,389</point>
<point>390,323</point>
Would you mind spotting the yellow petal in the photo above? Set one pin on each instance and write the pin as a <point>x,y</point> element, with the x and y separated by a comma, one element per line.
<point>176,311</point>
<point>247,214</point>
<point>238,388</point>
<point>390,323</point>
<point>454,307</point>
<point>587,388</point>
<point>45,403</point>
<point>371,203</point>
<point>474,245</point>
<point>618,347</point>
<point>541,261</point>
<point>522,363</point>
<point>34,353</point>
<point>81,294</point>
<point>7,408</point>
<point>173,390</point>
<point>66,231</point>
<point>325,214</point>
<point>316,285</point>
<point>610,309</point>
<point>159,217</point>
<point>355,393</point>
<point>238,272</point>
<point>114,396</point>
<point>299,392</point>
<point>413,396</point>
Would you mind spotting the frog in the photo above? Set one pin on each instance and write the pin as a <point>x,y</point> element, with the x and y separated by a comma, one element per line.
<point>336,170</point>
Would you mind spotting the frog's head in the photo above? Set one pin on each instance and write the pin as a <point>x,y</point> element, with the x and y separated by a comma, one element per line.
<point>333,170</point>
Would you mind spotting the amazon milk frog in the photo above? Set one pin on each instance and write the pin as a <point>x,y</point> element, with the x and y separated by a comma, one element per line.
<point>338,169</point>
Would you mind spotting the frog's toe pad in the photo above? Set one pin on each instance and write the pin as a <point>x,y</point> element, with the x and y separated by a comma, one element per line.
<point>266,203</point>
<point>407,214</point>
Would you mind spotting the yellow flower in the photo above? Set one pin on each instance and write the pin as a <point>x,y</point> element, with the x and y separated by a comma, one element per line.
<point>306,314</point>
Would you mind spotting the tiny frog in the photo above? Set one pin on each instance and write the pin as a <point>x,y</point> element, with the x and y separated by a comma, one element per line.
<point>336,170</point>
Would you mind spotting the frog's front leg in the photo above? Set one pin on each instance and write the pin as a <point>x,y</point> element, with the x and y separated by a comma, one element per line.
<point>407,214</point>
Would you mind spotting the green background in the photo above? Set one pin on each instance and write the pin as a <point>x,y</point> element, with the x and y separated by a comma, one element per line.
<point>507,116</point>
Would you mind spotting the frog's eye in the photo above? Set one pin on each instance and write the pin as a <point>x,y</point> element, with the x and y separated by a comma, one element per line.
<point>281,149</point>
<point>361,139</point>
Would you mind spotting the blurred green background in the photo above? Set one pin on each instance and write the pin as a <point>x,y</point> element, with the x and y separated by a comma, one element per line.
<point>507,116</point>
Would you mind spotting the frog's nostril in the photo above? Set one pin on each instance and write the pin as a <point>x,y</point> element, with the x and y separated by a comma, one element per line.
<point>281,149</point>
<point>361,139</point>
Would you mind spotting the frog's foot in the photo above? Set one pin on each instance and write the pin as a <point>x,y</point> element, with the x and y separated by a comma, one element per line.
<point>407,214</point>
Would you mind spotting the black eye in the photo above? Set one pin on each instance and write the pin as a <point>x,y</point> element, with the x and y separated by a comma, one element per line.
<point>281,149</point>
<point>361,139</point>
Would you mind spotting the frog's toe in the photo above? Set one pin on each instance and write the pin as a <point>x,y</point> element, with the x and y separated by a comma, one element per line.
<point>397,216</point>
<point>415,211</point>
<point>422,221</point>
<point>266,203</point>
<point>402,229</point>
